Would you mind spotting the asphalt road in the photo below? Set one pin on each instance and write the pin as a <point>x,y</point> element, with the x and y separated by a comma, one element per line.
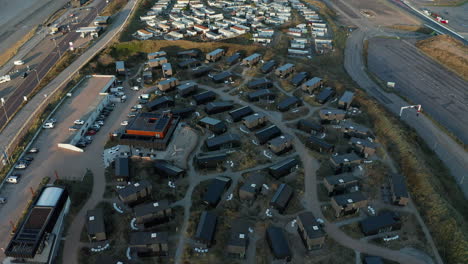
<point>450,152</point>
<point>14,101</point>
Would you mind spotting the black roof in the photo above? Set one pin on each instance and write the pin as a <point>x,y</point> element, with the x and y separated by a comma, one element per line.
<point>148,238</point>
<point>201,70</point>
<point>183,112</point>
<point>319,142</point>
<point>267,133</point>
<point>191,53</point>
<point>150,208</point>
<point>312,228</point>
<point>347,157</point>
<point>206,226</point>
<point>299,78</point>
<point>260,93</point>
<point>214,142</point>
<point>284,164</point>
<point>239,233</point>
<point>204,97</point>
<point>399,185</point>
<point>373,260</point>
<point>208,157</point>
<point>95,221</point>
<point>222,76</point>
<point>233,58</point>
<point>372,224</point>
<point>189,62</point>
<point>253,183</point>
<point>122,167</point>
<point>162,101</point>
<point>282,195</point>
<point>363,142</point>
<point>341,178</point>
<point>218,106</point>
<point>349,198</point>
<point>166,169</point>
<point>351,126</point>
<point>260,82</point>
<point>239,113</point>
<point>309,126</point>
<point>278,242</point>
<point>215,190</point>
<point>133,188</point>
<point>288,102</point>
<point>268,66</point>
<point>325,94</point>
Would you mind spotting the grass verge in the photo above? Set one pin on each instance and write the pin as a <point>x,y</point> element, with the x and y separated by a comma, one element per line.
<point>13,50</point>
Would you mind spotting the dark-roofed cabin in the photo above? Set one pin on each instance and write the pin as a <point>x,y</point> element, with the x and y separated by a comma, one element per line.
<point>153,213</point>
<point>239,113</point>
<point>252,187</point>
<point>187,88</point>
<point>278,243</point>
<point>363,147</point>
<point>255,120</point>
<point>149,243</point>
<point>95,225</point>
<point>266,134</point>
<point>310,127</point>
<point>239,239</point>
<point>400,194</point>
<point>214,125</point>
<point>188,53</point>
<point>325,95</point>
<point>281,144</point>
<point>299,78</point>
<point>218,107</point>
<point>351,129</point>
<point>283,168</point>
<point>223,142</point>
<point>281,198</point>
<point>215,190</point>
<point>373,260</point>
<point>222,77</point>
<point>210,160</point>
<point>168,84</point>
<point>345,162</point>
<point>135,192</point>
<point>215,55</point>
<point>233,59</point>
<point>161,102</point>
<point>201,71</point>
<point>384,222</point>
<point>288,103</point>
<point>348,203</point>
<point>345,100</point>
<point>189,63</point>
<point>328,115</point>
<point>260,83</point>
<point>206,228</point>
<point>310,231</point>
<point>319,144</point>
<point>341,183</point>
<point>122,170</point>
<point>167,170</point>
<point>148,76</point>
<point>312,84</point>
<point>252,59</point>
<point>268,66</point>
<point>205,97</point>
<point>285,70</point>
<point>183,112</point>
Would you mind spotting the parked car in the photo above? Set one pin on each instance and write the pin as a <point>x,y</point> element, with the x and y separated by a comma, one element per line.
<point>33,150</point>
<point>24,75</point>
<point>21,166</point>
<point>91,132</point>
<point>135,88</point>
<point>131,115</point>
<point>13,179</point>
<point>74,128</point>
<point>79,122</point>
<point>3,200</point>
<point>48,125</point>
<point>100,122</point>
<point>81,144</point>
<point>28,159</point>
<point>124,123</point>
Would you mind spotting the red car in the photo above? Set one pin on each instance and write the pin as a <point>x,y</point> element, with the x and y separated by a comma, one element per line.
<point>91,132</point>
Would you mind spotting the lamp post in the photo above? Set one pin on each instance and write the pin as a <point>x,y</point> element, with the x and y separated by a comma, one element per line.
<point>4,108</point>
<point>37,75</point>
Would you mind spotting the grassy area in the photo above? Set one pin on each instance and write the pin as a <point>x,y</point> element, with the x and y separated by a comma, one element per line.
<point>448,52</point>
<point>13,50</point>
<point>113,7</point>
<point>134,23</point>
<point>412,28</point>
<point>353,230</point>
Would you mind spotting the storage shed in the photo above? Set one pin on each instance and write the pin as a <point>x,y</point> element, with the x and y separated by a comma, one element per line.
<point>239,113</point>
<point>281,198</point>
<point>283,168</point>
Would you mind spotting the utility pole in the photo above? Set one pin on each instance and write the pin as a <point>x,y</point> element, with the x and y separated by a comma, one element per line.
<point>4,108</point>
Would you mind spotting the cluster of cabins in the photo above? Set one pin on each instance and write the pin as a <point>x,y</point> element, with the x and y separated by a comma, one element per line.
<point>192,18</point>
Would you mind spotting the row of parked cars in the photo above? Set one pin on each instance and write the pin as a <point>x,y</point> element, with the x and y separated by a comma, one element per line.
<point>94,128</point>
<point>22,164</point>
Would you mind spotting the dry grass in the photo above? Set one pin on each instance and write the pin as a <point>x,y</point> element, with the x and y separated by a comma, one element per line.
<point>13,50</point>
<point>413,28</point>
<point>447,51</point>
<point>113,7</point>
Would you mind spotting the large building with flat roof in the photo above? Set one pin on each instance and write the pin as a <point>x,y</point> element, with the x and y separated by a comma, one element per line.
<point>36,238</point>
<point>150,130</point>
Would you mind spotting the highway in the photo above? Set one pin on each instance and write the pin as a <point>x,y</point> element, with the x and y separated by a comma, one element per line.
<point>27,87</point>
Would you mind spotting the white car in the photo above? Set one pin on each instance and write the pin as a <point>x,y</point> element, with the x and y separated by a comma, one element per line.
<point>48,125</point>
<point>13,179</point>
<point>124,123</point>
<point>101,123</point>
<point>135,88</point>
<point>18,62</point>
<point>79,122</point>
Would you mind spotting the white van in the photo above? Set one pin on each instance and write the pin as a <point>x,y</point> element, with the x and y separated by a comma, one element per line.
<point>18,62</point>
<point>13,179</point>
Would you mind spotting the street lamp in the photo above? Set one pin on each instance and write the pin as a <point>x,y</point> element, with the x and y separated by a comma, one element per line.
<point>4,108</point>
<point>37,75</point>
